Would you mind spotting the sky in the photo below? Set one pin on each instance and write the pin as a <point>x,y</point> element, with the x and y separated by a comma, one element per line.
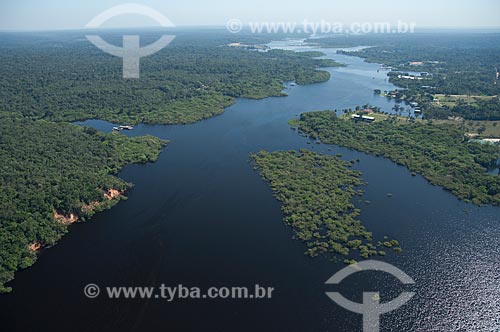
<point>75,14</point>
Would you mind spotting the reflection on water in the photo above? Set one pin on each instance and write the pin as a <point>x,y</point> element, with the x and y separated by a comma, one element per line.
<point>201,216</point>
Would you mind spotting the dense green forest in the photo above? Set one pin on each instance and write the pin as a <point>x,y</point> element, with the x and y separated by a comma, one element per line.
<point>53,173</point>
<point>63,168</point>
<point>439,152</point>
<point>316,192</point>
<point>454,71</point>
<point>68,79</point>
<point>453,64</point>
<point>480,109</point>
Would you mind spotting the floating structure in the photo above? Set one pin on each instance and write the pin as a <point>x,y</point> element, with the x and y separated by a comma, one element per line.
<point>120,128</point>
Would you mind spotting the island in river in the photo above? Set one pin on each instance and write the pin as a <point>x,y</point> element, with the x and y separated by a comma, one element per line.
<point>55,173</point>
<point>439,152</point>
<point>201,216</point>
<point>317,193</point>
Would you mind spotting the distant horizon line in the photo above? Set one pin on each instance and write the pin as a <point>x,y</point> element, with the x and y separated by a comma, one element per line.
<point>222,26</point>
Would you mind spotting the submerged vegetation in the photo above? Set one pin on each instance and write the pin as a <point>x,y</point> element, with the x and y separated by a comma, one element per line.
<point>316,192</point>
<point>439,152</point>
<point>53,175</point>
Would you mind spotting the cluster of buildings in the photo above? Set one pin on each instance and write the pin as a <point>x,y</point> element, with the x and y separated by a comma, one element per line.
<point>416,110</point>
<point>249,47</point>
<point>421,63</point>
<point>411,77</point>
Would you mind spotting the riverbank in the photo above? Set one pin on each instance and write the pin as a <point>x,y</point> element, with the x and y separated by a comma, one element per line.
<point>201,216</point>
<point>439,152</point>
<point>54,175</point>
<point>317,195</point>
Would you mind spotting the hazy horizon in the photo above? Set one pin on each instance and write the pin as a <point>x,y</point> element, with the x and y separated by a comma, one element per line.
<point>423,29</point>
<point>31,15</point>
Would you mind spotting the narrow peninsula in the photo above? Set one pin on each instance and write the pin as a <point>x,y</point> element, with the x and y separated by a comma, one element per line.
<point>316,192</point>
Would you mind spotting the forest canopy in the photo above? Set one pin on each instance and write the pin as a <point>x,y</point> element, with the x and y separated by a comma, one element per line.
<point>48,169</point>
<point>316,192</point>
<point>53,172</point>
<point>463,64</point>
<point>439,152</point>
<point>68,79</point>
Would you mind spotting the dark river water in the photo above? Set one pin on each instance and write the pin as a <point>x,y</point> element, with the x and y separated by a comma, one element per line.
<point>201,217</point>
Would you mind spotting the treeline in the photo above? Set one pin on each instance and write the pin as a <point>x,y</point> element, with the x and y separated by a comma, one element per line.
<point>69,79</point>
<point>480,109</point>
<point>466,71</point>
<point>439,152</point>
<point>63,168</point>
<point>316,192</point>
<point>50,167</point>
<point>457,64</point>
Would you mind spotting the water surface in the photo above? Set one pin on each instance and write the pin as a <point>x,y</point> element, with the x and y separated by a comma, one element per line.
<point>201,216</point>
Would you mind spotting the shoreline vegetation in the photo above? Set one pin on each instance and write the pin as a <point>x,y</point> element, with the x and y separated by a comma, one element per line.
<point>450,76</point>
<point>316,192</point>
<point>56,174</point>
<point>441,153</point>
<point>190,81</point>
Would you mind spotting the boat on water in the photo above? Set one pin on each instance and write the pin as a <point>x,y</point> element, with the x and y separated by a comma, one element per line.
<point>120,128</point>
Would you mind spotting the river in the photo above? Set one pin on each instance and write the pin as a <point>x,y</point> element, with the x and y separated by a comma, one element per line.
<point>201,216</point>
